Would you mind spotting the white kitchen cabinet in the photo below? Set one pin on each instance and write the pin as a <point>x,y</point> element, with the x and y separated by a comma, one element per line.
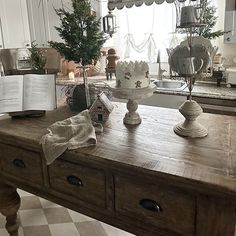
<point>230,21</point>
<point>14,24</point>
<point>1,41</point>
<point>43,19</point>
<point>52,19</point>
<point>96,6</point>
<point>230,25</point>
<point>37,22</point>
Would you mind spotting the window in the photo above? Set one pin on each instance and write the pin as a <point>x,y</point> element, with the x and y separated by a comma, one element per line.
<point>100,117</point>
<point>143,31</point>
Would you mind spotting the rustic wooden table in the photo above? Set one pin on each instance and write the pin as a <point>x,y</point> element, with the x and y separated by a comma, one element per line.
<point>143,179</point>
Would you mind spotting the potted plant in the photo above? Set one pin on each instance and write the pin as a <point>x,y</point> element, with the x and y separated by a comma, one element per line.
<point>37,58</point>
<point>210,19</point>
<point>83,40</point>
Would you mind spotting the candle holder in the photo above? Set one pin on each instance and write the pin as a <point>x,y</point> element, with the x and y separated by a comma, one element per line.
<point>190,109</point>
<point>190,67</point>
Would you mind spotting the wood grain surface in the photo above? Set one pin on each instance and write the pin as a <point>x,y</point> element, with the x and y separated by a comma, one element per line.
<point>192,180</point>
<point>90,179</point>
<point>152,145</point>
<point>175,206</point>
<point>22,164</point>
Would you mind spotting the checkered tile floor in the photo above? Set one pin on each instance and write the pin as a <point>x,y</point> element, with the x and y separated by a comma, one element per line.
<point>40,217</point>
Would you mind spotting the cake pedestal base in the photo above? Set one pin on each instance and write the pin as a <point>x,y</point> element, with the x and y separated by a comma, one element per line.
<point>190,127</point>
<point>132,117</point>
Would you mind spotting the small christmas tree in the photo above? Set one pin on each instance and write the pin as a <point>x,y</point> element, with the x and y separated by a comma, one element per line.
<point>83,41</point>
<point>81,32</point>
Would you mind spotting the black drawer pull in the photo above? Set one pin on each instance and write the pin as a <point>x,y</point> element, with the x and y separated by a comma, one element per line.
<point>19,163</point>
<point>73,180</point>
<point>150,205</point>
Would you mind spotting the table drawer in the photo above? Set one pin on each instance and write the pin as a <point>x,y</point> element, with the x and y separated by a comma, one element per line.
<point>21,163</point>
<point>156,206</point>
<point>85,184</point>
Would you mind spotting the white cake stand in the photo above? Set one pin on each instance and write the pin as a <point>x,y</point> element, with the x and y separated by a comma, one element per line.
<point>132,117</point>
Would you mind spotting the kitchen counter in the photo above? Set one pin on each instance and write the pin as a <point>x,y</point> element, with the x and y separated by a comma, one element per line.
<point>201,89</point>
<point>63,81</point>
<point>204,89</point>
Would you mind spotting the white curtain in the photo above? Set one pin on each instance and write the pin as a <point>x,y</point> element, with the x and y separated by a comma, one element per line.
<point>143,31</point>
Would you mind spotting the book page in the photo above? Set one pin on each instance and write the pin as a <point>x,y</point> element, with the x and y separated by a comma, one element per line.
<point>11,93</point>
<point>39,92</point>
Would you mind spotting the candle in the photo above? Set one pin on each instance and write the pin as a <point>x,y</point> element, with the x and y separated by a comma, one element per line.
<point>71,75</point>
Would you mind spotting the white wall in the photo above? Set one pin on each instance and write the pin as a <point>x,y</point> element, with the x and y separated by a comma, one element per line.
<point>228,50</point>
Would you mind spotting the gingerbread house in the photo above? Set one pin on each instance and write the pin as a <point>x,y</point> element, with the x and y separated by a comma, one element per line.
<point>101,108</point>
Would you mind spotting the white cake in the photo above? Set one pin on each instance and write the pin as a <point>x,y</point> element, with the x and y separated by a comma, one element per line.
<point>132,75</point>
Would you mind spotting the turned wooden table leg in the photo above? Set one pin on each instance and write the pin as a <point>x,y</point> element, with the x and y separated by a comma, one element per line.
<point>9,206</point>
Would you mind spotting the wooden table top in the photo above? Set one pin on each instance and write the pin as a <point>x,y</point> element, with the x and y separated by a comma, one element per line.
<point>151,147</point>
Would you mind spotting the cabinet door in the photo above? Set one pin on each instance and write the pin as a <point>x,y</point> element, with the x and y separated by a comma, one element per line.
<point>43,19</point>
<point>1,41</point>
<point>96,6</point>
<point>37,22</point>
<point>230,25</point>
<point>52,19</point>
<point>15,24</point>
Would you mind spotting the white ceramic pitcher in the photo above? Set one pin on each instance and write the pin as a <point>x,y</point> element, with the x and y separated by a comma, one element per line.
<point>187,66</point>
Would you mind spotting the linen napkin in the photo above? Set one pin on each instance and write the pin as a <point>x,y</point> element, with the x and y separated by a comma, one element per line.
<point>74,132</point>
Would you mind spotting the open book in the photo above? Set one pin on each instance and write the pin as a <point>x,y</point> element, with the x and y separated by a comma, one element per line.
<point>27,92</point>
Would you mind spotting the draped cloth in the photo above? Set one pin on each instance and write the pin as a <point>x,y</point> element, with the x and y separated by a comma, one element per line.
<point>147,43</point>
<point>72,133</point>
